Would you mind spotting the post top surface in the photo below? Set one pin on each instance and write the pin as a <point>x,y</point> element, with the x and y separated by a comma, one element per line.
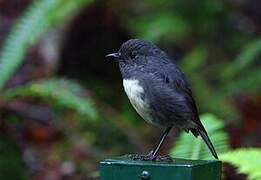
<point>124,160</point>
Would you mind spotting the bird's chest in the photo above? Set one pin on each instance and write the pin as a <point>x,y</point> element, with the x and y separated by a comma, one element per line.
<point>136,95</point>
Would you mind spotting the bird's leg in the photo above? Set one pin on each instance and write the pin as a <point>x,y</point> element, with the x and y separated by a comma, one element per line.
<point>154,152</point>
<point>152,156</point>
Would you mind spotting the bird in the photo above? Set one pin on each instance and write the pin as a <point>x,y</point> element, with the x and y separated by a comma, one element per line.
<point>159,91</point>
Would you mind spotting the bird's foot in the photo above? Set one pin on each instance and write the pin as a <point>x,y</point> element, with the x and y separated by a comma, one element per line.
<point>150,157</point>
<point>142,157</point>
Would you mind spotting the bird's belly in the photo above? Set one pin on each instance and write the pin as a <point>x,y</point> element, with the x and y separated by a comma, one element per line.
<point>135,93</point>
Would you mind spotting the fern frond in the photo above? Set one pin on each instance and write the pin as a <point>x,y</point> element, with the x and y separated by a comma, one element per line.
<point>189,147</point>
<point>39,17</point>
<point>61,91</point>
<point>247,160</point>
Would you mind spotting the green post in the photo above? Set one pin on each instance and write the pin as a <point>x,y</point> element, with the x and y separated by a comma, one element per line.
<point>181,169</point>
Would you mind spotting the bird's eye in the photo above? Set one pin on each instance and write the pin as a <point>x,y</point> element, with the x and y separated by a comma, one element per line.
<point>132,55</point>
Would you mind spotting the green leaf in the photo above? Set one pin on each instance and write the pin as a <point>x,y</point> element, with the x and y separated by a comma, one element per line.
<point>189,147</point>
<point>63,92</point>
<point>37,19</point>
<point>247,160</point>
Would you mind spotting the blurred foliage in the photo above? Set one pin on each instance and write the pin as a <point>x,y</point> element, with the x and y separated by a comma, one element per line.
<point>214,42</point>
<point>63,92</point>
<point>11,162</point>
<point>169,24</point>
<point>247,160</point>
<point>189,147</point>
<point>194,59</point>
<point>37,19</point>
<point>244,59</point>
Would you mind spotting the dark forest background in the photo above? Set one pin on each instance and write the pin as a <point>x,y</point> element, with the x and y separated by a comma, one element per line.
<point>62,105</point>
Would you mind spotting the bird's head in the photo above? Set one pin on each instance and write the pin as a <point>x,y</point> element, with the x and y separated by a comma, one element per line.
<point>136,50</point>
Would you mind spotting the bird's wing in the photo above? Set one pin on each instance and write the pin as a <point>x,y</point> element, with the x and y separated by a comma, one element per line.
<point>178,88</point>
<point>179,83</point>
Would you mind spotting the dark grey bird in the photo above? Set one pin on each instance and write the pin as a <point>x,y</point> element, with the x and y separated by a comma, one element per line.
<point>158,90</point>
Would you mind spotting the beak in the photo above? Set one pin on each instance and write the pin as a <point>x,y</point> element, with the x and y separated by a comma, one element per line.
<point>113,56</point>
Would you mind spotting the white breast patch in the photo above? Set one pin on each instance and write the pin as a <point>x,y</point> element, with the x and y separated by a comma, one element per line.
<point>134,92</point>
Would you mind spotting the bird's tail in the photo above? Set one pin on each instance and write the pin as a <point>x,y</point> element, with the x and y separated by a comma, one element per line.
<point>204,135</point>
